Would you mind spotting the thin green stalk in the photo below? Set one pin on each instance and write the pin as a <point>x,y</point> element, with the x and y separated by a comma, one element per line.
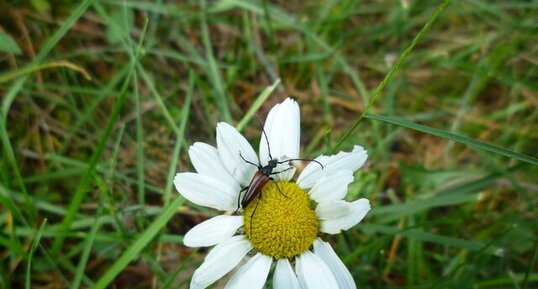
<point>35,244</point>
<point>392,71</point>
<point>213,73</point>
<point>139,144</point>
<point>139,244</point>
<point>455,137</point>
<point>159,100</point>
<point>42,54</point>
<point>10,156</point>
<point>257,104</point>
<point>531,265</point>
<point>87,249</point>
<point>180,138</point>
<point>82,189</point>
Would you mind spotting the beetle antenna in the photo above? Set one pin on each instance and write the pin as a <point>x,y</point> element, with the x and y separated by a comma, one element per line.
<point>265,135</point>
<point>248,162</point>
<point>299,159</point>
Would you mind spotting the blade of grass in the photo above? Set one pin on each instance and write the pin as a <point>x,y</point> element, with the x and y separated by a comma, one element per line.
<point>257,104</point>
<point>159,100</point>
<point>10,156</point>
<point>278,15</point>
<point>35,243</point>
<point>139,244</point>
<point>175,156</point>
<point>453,195</point>
<point>504,280</point>
<point>213,74</point>
<point>454,137</point>
<point>6,200</point>
<point>141,193</point>
<point>87,250</point>
<point>33,67</point>
<point>180,138</point>
<point>16,211</point>
<point>392,71</point>
<point>47,47</point>
<point>12,245</point>
<point>531,265</point>
<point>82,188</point>
<point>418,234</point>
<point>85,115</point>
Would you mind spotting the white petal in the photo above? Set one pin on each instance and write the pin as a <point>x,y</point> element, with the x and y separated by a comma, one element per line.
<point>341,161</point>
<point>313,273</point>
<point>333,210</point>
<point>205,159</point>
<point>333,224</point>
<point>213,231</point>
<point>206,191</point>
<point>251,275</point>
<point>283,131</point>
<point>341,273</point>
<point>231,146</point>
<point>220,260</point>
<point>331,187</point>
<point>284,277</point>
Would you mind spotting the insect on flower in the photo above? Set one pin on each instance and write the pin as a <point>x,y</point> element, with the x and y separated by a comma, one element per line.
<point>263,175</point>
<point>291,214</point>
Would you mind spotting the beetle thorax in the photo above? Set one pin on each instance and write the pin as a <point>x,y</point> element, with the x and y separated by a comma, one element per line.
<point>268,169</point>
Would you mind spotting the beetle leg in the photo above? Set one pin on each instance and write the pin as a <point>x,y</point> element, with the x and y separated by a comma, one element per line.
<point>254,211</point>
<point>279,190</point>
<point>239,199</point>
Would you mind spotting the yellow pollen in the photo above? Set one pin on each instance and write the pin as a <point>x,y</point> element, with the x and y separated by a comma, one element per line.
<point>283,224</point>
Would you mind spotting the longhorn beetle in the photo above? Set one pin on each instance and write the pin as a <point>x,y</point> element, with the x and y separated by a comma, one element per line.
<point>262,176</point>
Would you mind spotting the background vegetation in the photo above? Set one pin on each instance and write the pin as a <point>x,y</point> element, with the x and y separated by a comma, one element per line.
<point>101,99</point>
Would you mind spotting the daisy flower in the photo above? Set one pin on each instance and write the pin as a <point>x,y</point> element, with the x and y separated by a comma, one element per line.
<point>282,224</point>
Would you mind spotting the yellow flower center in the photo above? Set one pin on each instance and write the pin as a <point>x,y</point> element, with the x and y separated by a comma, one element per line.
<point>280,222</point>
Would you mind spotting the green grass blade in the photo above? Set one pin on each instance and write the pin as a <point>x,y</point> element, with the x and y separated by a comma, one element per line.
<point>139,244</point>
<point>33,67</point>
<point>87,250</point>
<point>33,248</point>
<point>180,138</point>
<point>47,47</point>
<point>454,137</point>
<point>10,155</point>
<point>393,70</point>
<point>418,234</point>
<point>159,99</point>
<point>257,104</point>
<point>531,266</point>
<point>213,73</point>
<point>82,188</point>
<point>12,245</point>
<point>141,193</point>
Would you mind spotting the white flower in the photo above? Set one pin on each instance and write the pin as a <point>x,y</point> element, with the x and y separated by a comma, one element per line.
<point>279,224</point>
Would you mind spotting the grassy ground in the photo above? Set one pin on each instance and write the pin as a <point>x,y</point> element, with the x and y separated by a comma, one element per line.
<point>101,99</point>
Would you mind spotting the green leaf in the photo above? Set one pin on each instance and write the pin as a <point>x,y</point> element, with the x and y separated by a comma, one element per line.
<point>7,44</point>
